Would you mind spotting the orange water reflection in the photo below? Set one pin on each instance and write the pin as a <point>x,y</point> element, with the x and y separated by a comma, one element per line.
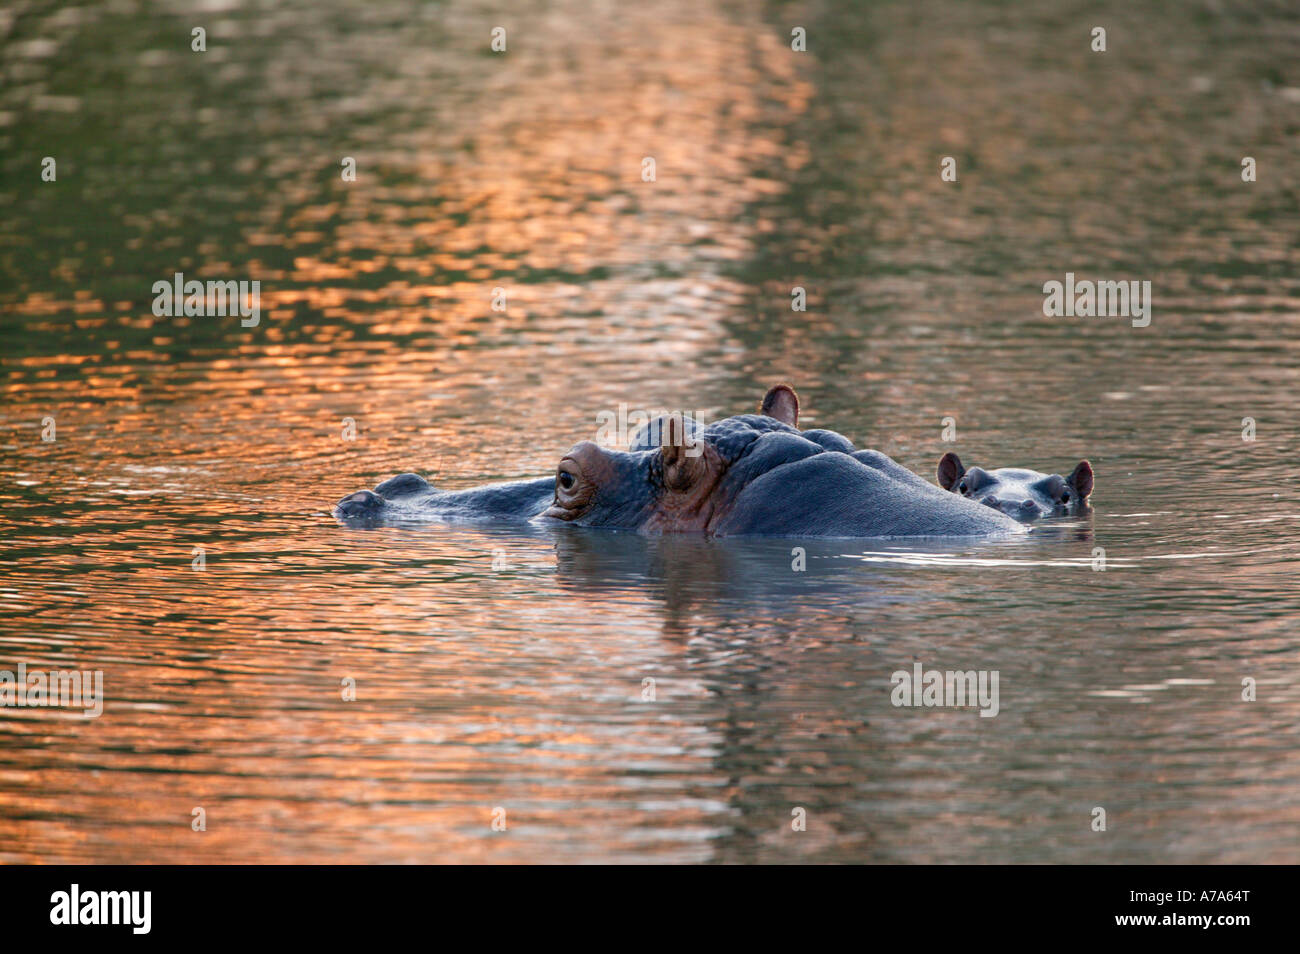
<point>522,687</point>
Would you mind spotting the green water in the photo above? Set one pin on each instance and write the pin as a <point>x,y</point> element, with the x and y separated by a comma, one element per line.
<point>505,669</point>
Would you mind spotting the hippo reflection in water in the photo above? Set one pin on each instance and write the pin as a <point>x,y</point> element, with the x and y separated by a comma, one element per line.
<point>748,475</point>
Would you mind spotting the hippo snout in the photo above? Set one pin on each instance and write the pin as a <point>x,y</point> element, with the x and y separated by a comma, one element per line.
<point>368,503</point>
<point>1020,510</point>
<point>363,503</point>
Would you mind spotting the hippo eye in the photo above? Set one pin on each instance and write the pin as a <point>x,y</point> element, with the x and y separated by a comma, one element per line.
<point>962,487</point>
<point>567,480</point>
<point>1065,497</point>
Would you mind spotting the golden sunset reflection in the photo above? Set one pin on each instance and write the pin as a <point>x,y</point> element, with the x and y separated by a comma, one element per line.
<point>505,667</point>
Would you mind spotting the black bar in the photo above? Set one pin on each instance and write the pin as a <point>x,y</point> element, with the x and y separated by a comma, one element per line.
<point>945,904</point>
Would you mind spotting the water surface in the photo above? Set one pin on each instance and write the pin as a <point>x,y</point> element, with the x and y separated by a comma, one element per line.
<point>505,667</point>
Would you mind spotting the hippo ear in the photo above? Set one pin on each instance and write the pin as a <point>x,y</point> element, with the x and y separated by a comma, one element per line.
<point>681,454</point>
<point>1081,479</point>
<point>950,470</point>
<point>781,403</point>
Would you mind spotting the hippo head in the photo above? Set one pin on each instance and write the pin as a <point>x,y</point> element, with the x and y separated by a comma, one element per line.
<point>1023,494</point>
<point>753,473</point>
<point>678,476</point>
<point>684,484</point>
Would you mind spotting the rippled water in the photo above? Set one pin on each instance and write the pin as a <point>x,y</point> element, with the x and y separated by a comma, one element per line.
<point>504,667</point>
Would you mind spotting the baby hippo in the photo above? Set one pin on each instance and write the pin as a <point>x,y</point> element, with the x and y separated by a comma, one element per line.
<point>1025,495</point>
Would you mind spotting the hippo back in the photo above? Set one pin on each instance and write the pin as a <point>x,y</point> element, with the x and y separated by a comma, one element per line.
<point>834,495</point>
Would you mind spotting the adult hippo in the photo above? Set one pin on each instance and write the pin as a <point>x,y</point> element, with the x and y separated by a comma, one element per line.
<point>749,475</point>
<point>758,474</point>
<point>1025,495</point>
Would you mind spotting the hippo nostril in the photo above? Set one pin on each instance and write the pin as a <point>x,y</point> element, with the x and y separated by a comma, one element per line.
<point>361,503</point>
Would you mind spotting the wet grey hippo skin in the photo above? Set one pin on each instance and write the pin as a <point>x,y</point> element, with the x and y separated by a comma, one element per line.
<point>410,495</point>
<point>758,474</point>
<point>753,474</point>
<point>1025,495</point>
